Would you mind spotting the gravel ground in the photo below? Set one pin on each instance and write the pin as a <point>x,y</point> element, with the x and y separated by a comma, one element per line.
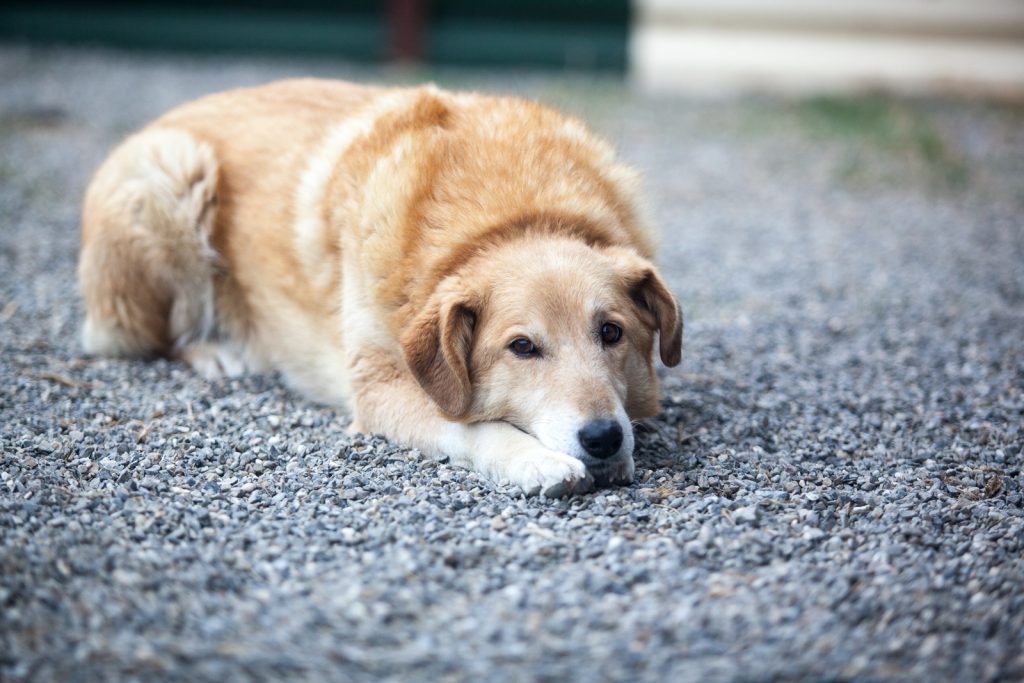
<point>833,492</point>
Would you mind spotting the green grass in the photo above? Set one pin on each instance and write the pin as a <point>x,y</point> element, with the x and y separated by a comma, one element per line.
<point>876,125</point>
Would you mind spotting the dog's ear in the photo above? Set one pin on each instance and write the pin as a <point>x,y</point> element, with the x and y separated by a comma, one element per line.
<point>437,346</point>
<point>650,293</point>
<point>653,293</point>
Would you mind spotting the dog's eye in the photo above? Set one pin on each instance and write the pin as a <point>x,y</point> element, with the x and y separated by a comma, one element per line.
<point>610,334</point>
<point>523,347</point>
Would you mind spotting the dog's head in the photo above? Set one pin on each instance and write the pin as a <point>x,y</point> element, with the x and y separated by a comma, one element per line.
<point>554,337</point>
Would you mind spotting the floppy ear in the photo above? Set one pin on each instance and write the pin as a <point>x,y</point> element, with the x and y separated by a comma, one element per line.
<point>652,295</point>
<point>436,347</point>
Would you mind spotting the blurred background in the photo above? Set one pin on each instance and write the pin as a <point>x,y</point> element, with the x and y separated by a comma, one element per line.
<point>799,46</point>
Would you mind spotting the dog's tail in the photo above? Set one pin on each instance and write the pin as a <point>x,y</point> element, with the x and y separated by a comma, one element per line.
<point>146,268</point>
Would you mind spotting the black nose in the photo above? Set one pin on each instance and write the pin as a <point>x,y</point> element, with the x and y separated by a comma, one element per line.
<point>601,438</point>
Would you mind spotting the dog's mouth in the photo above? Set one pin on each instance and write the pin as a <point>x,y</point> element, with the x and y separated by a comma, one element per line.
<point>618,473</point>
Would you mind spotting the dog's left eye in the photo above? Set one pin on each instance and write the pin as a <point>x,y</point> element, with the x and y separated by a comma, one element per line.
<point>610,334</point>
<point>524,348</point>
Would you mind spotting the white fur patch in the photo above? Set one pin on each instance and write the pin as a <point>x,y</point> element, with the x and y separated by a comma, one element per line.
<point>313,365</point>
<point>214,360</point>
<point>309,224</point>
<point>506,455</point>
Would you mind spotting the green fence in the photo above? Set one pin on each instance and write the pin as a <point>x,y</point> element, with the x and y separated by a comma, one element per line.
<point>552,33</point>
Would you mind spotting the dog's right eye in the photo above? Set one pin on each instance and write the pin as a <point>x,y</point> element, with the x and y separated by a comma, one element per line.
<point>523,347</point>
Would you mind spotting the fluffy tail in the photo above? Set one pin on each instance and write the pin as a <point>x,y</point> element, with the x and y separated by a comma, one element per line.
<point>146,267</point>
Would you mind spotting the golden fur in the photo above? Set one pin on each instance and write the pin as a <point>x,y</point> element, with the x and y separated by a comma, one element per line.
<point>384,247</point>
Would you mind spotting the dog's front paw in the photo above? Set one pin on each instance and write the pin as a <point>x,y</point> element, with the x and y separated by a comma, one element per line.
<point>548,472</point>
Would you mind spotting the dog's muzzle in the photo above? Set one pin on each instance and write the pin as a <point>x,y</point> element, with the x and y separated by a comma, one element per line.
<point>602,439</point>
<point>617,472</point>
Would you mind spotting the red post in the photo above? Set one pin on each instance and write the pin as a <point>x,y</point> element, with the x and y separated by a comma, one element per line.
<point>406,19</point>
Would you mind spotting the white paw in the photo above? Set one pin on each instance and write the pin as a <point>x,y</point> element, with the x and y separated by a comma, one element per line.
<point>553,474</point>
<point>213,361</point>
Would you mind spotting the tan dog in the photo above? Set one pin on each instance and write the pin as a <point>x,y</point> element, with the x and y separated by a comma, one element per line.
<point>469,273</point>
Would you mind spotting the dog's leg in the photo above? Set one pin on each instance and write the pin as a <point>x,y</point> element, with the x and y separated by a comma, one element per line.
<point>387,400</point>
<point>214,360</point>
<point>506,454</point>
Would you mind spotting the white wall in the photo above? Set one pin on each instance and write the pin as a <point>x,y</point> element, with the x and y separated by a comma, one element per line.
<point>830,45</point>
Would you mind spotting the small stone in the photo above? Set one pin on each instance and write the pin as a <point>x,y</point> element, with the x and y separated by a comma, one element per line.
<point>745,515</point>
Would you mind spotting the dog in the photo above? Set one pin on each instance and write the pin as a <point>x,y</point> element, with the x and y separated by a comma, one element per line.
<point>471,275</point>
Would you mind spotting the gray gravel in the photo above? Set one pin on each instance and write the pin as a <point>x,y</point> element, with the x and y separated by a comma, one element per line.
<point>834,490</point>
